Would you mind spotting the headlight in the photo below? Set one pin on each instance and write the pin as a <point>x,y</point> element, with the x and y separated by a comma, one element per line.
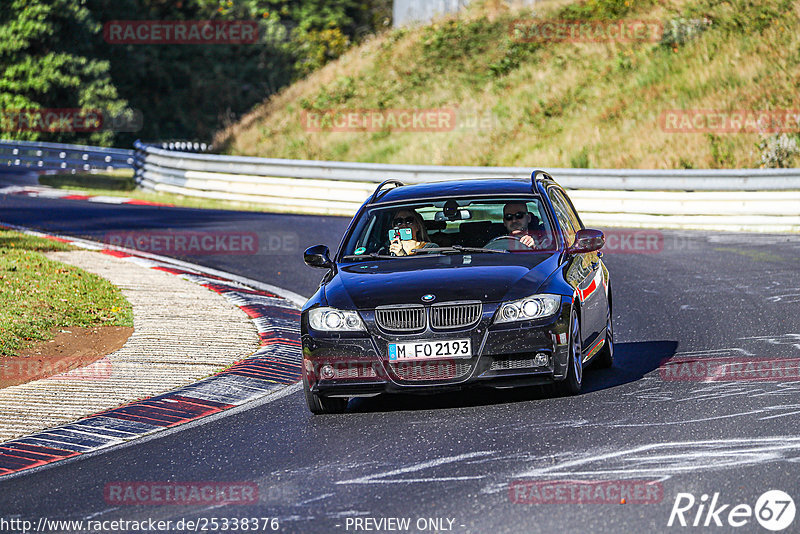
<point>333,320</point>
<point>533,307</point>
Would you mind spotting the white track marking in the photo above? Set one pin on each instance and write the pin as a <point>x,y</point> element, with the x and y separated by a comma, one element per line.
<point>380,478</point>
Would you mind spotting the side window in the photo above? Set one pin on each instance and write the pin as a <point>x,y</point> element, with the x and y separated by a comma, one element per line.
<point>576,222</point>
<point>565,220</point>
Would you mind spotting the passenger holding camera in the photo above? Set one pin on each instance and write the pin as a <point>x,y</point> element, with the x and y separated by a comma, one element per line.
<point>408,233</point>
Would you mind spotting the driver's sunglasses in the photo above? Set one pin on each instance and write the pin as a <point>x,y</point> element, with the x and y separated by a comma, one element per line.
<point>518,215</point>
<point>403,220</point>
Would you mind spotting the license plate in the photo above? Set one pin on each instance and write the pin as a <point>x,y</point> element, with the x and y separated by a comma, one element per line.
<point>430,350</point>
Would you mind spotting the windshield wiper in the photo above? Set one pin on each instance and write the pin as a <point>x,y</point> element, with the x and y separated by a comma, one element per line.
<point>458,249</point>
<point>371,256</point>
<point>455,249</point>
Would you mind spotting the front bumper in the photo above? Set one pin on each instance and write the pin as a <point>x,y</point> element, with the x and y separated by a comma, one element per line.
<point>357,364</point>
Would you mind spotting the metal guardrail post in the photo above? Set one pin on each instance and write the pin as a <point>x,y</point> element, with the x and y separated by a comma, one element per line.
<point>40,156</point>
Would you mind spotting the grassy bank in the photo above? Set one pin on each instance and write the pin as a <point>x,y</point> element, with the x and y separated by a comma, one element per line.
<point>38,296</point>
<point>559,104</point>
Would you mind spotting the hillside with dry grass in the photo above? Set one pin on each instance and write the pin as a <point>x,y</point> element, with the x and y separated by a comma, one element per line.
<point>549,102</point>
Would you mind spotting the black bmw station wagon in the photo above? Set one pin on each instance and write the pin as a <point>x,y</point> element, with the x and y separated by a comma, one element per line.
<point>447,285</point>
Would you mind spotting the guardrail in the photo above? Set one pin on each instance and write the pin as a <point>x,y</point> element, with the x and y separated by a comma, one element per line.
<point>747,200</point>
<point>36,156</point>
<point>743,199</point>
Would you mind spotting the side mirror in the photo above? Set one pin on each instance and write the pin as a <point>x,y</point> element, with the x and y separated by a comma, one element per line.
<point>587,240</point>
<point>318,256</point>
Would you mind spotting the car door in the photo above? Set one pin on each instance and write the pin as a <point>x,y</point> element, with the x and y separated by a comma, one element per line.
<point>584,273</point>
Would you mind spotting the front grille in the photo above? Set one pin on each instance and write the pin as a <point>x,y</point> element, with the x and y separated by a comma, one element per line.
<point>401,319</point>
<point>455,315</point>
<point>432,370</point>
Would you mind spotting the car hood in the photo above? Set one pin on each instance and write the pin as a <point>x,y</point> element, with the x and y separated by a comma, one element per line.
<point>485,277</point>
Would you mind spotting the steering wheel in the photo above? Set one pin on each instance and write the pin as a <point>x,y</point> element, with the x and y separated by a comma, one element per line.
<point>506,242</point>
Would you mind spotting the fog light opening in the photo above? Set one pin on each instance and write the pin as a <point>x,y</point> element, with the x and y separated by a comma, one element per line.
<point>541,359</point>
<point>327,372</point>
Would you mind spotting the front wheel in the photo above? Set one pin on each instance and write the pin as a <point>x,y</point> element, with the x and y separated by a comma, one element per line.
<point>322,405</point>
<point>571,385</point>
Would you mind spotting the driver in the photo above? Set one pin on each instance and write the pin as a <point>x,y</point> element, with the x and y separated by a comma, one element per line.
<point>516,219</point>
<point>408,218</point>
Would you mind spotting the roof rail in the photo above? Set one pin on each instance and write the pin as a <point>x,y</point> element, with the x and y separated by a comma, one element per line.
<point>537,175</point>
<point>376,195</point>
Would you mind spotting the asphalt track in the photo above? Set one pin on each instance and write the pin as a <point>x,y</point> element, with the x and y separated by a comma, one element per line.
<point>702,295</point>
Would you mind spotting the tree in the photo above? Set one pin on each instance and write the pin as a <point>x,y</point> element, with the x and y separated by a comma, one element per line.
<point>53,55</point>
<point>47,62</point>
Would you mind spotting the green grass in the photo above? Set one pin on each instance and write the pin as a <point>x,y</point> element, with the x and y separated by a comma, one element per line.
<point>121,183</point>
<point>552,104</point>
<point>602,9</point>
<point>754,255</point>
<point>118,181</point>
<point>38,295</point>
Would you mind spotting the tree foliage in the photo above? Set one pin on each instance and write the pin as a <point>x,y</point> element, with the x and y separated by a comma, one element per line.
<point>47,61</point>
<point>53,55</point>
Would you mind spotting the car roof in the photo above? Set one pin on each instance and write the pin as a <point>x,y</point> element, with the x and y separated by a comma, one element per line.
<point>451,188</point>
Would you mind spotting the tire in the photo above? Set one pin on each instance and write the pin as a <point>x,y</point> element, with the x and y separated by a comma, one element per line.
<point>571,385</point>
<point>605,358</point>
<point>322,405</point>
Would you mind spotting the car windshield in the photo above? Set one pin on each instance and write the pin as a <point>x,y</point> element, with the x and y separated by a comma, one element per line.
<point>453,226</point>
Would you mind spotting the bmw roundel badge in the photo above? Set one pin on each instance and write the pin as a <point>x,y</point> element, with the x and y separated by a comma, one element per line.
<point>428,298</point>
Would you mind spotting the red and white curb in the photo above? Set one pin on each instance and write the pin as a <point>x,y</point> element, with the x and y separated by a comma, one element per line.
<point>274,366</point>
<point>49,192</point>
